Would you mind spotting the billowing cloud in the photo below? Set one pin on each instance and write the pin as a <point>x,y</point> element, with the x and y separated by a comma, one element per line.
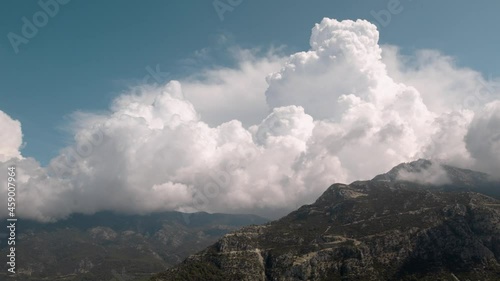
<point>223,94</point>
<point>225,141</point>
<point>443,86</point>
<point>483,139</point>
<point>10,136</point>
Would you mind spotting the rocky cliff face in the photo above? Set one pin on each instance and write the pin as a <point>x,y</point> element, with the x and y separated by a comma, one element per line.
<point>383,229</point>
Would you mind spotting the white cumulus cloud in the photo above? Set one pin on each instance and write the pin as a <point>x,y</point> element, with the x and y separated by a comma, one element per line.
<point>268,135</point>
<point>10,136</point>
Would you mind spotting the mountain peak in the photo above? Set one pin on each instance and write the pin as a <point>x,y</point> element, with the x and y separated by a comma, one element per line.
<point>389,228</point>
<point>429,172</point>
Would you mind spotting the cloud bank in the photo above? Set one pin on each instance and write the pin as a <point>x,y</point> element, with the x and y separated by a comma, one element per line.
<point>227,141</point>
<point>11,137</point>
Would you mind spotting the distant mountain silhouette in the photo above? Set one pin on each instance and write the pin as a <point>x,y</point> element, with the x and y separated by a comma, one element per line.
<point>107,246</point>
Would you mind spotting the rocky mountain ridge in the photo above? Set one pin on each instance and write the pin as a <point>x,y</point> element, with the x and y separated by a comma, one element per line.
<point>110,246</point>
<point>382,229</point>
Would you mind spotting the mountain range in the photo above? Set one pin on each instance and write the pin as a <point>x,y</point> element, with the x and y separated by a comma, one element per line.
<point>419,221</point>
<point>110,246</point>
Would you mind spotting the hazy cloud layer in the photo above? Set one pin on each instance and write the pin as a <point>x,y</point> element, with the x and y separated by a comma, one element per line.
<point>225,141</point>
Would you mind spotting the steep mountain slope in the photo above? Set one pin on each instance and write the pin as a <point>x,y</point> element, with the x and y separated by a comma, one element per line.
<point>383,229</point>
<point>107,246</point>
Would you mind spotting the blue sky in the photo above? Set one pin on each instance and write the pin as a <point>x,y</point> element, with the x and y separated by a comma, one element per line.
<point>90,51</point>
